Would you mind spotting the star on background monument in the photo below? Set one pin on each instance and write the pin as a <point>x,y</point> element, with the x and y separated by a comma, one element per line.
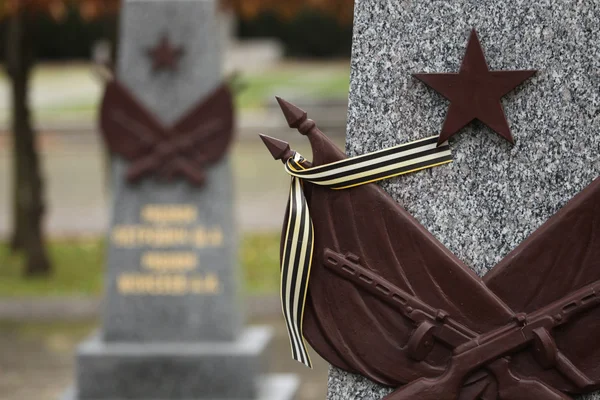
<point>475,92</point>
<point>164,55</point>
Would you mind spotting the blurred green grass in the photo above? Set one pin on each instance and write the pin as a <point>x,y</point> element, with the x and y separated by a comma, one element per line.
<point>78,271</point>
<point>71,93</point>
<point>79,268</point>
<point>313,80</point>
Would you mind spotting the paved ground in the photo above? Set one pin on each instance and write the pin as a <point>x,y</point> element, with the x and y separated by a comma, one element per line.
<point>37,360</point>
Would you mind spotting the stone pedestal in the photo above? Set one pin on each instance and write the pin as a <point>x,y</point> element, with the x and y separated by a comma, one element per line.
<point>172,324</point>
<point>202,370</point>
<point>494,195</point>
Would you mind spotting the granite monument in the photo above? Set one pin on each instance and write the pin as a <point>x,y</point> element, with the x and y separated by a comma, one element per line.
<point>495,194</point>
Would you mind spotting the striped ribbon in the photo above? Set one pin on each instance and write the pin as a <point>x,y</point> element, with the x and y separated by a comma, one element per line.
<point>344,174</point>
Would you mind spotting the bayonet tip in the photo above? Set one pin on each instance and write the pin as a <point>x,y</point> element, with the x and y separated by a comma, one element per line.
<point>294,115</point>
<point>278,148</point>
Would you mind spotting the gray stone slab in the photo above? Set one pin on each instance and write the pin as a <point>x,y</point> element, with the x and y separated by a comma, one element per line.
<point>191,24</point>
<point>173,370</point>
<point>175,313</point>
<point>146,302</point>
<point>278,387</point>
<point>494,195</point>
<point>271,387</point>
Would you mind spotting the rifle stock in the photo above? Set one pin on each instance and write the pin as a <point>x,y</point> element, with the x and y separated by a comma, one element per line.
<point>474,352</point>
<point>448,386</point>
<point>513,387</point>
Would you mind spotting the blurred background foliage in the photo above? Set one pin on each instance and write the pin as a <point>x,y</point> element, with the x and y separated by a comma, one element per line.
<point>314,28</point>
<point>67,29</point>
<point>70,37</point>
<point>310,33</point>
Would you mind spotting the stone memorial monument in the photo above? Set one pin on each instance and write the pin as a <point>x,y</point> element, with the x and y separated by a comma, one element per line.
<point>494,194</point>
<point>173,326</point>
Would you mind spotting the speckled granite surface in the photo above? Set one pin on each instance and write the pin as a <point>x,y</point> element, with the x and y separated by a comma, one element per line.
<point>494,195</point>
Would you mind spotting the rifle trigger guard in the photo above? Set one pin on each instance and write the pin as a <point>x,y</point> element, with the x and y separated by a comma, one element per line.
<point>545,350</point>
<point>421,342</point>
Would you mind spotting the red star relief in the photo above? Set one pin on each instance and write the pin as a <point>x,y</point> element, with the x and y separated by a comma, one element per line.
<point>475,92</point>
<point>164,55</point>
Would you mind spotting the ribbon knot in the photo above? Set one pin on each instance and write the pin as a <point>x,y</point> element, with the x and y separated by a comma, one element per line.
<point>298,247</point>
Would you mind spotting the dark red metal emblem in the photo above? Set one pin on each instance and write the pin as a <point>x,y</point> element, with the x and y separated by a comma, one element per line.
<point>200,138</point>
<point>390,302</point>
<point>475,92</point>
<point>165,55</point>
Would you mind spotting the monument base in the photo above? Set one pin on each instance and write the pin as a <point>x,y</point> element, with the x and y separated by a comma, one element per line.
<point>182,371</point>
<point>270,387</point>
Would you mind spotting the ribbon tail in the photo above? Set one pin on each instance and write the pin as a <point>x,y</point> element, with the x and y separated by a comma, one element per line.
<point>295,270</point>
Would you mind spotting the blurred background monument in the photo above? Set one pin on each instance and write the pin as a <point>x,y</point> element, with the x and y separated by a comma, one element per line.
<point>173,326</point>
<point>495,194</point>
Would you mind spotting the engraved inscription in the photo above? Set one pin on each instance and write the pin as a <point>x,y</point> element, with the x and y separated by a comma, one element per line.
<point>169,285</point>
<point>165,269</point>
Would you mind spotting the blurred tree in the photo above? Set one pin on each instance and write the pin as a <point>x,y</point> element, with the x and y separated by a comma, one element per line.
<point>306,28</point>
<point>28,189</point>
<point>342,10</point>
<point>311,33</point>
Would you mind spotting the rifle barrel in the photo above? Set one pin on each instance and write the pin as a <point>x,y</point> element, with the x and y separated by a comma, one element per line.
<point>563,310</point>
<point>448,330</point>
